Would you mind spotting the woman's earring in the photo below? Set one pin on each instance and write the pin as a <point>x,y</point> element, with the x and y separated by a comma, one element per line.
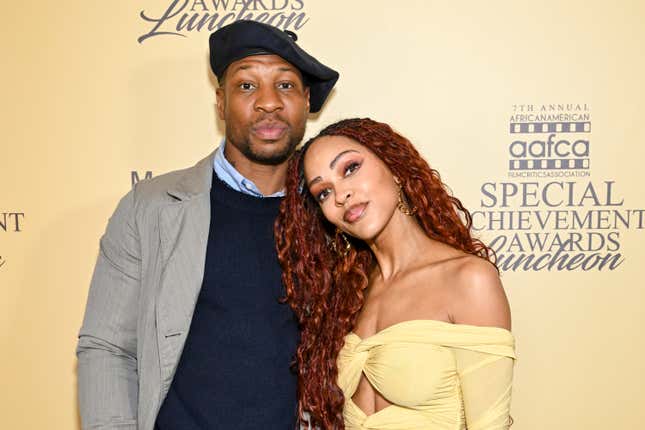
<point>345,250</point>
<point>403,205</point>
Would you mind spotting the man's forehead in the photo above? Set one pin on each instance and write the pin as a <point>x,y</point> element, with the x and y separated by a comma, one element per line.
<point>262,61</point>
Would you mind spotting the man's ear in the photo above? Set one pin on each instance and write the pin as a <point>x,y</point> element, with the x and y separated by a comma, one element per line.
<point>221,102</point>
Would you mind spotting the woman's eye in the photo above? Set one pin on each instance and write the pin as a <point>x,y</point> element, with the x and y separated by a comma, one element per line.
<point>351,168</point>
<point>321,196</point>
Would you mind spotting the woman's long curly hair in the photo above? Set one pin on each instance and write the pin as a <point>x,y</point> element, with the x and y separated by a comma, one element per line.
<point>325,287</point>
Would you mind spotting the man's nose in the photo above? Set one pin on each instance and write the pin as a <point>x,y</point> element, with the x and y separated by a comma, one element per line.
<point>268,99</point>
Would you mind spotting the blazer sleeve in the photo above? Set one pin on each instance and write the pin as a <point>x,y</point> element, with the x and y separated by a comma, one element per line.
<point>107,344</point>
<point>486,381</point>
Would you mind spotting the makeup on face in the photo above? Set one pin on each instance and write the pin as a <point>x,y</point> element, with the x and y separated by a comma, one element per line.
<point>354,188</point>
<point>340,167</point>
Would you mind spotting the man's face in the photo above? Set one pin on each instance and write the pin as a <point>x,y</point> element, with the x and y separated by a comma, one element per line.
<point>265,105</point>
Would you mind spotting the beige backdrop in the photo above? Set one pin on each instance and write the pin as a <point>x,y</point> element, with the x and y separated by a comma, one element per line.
<point>85,104</point>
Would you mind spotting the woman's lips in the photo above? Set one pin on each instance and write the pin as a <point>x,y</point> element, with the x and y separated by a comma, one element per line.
<point>354,213</point>
<point>269,130</point>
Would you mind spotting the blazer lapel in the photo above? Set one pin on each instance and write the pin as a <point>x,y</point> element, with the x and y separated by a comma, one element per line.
<point>183,233</point>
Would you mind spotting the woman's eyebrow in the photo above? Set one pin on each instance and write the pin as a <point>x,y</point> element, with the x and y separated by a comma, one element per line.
<point>331,165</point>
<point>333,162</point>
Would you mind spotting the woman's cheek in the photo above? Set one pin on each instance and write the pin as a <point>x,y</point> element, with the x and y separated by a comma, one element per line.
<point>328,214</point>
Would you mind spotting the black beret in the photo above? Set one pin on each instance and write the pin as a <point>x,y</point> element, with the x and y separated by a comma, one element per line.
<point>243,38</point>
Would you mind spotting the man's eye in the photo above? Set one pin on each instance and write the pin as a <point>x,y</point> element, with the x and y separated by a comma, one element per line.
<point>351,168</point>
<point>285,85</point>
<point>321,196</point>
<point>246,86</point>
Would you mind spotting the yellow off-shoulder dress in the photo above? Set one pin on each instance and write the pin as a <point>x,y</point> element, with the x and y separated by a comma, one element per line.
<point>437,375</point>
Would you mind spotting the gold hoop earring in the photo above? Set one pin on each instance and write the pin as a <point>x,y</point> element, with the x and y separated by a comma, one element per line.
<point>403,205</point>
<point>345,250</point>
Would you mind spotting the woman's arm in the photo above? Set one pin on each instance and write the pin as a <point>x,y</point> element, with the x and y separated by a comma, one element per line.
<point>485,378</point>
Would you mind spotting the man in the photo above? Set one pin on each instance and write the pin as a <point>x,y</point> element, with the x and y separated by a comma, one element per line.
<point>183,328</point>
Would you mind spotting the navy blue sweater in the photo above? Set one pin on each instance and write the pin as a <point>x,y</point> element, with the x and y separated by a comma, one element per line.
<point>234,372</point>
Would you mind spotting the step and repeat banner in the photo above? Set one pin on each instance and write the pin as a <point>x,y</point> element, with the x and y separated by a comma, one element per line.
<point>531,111</point>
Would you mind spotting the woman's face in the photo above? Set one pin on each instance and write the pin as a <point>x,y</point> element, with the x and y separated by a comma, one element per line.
<point>354,188</point>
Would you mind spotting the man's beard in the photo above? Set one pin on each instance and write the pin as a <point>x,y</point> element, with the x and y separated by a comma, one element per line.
<point>274,158</point>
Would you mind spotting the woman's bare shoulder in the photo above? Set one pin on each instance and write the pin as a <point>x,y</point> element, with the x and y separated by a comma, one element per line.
<point>478,297</point>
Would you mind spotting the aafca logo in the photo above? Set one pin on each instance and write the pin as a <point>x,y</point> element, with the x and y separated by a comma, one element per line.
<point>549,140</point>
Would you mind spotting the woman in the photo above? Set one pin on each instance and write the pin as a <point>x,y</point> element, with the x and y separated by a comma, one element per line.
<point>405,324</point>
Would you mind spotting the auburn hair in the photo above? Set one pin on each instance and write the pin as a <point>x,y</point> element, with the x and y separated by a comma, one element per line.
<point>325,287</point>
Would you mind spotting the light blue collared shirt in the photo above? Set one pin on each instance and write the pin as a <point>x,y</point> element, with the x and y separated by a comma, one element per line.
<point>234,179</point>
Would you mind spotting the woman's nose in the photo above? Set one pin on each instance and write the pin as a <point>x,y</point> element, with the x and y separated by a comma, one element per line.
<point>342,198</point>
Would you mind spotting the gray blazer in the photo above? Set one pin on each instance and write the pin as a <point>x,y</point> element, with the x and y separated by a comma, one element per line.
<point>141,300</point>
